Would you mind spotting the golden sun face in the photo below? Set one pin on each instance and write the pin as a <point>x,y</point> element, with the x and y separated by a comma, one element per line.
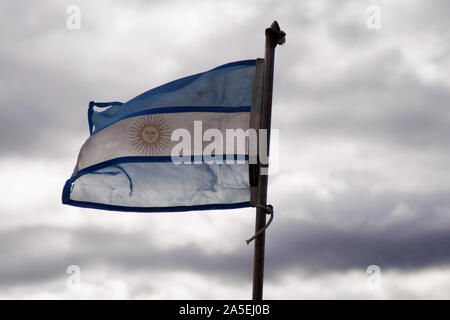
<point>150,135</point>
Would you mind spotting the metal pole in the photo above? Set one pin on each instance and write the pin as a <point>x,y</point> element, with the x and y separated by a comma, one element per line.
<point>274,36</point>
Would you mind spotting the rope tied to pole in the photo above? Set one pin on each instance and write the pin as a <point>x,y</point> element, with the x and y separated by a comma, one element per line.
<point>268,209</point>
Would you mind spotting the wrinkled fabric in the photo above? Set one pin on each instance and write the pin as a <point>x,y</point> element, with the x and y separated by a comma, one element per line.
<point>117,170</point>
<point>229,85</point>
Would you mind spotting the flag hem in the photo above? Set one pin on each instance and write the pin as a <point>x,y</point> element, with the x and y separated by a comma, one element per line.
<point>86,204</point>
<point>92,205</point>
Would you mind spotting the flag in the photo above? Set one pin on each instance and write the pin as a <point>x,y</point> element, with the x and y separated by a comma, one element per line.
<point>139,156</point>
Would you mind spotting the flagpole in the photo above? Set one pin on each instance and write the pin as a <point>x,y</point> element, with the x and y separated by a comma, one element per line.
<point>274,36</point>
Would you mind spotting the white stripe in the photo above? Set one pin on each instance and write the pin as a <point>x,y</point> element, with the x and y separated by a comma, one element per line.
<point>127,138</point>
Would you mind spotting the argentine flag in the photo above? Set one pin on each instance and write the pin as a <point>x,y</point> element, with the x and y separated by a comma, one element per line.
<point>127,163</point>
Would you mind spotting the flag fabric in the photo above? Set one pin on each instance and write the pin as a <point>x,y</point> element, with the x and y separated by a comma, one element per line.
<point>127,162</point>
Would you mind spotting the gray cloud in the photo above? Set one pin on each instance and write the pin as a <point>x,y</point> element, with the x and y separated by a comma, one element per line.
<point>376,100</point>
<point>34,254</point>
<point>361,232</point>
<point>317,248</point>
<point>335,82</point>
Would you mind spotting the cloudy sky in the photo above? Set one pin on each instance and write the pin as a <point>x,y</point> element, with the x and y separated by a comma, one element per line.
<point>364,128</point>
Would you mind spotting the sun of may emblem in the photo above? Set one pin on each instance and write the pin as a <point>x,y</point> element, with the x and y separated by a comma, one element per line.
<point>150,135</point>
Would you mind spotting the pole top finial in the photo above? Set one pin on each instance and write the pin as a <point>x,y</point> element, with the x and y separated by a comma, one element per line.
<point>276,34</point>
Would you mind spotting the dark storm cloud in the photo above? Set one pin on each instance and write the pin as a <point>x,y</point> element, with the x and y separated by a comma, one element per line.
<point>319,249</point>
<point>49,74</point>
<point>34,255</point>
<point>37,254</point>
<point>41,98</point>
<point>376,99</point>
<point>44,101</point>
<point>38,119</point>
<point>360,228</point>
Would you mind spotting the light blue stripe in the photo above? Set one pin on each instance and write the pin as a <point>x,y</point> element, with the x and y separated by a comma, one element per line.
<point>159,185</point>
<point>229,85</point>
